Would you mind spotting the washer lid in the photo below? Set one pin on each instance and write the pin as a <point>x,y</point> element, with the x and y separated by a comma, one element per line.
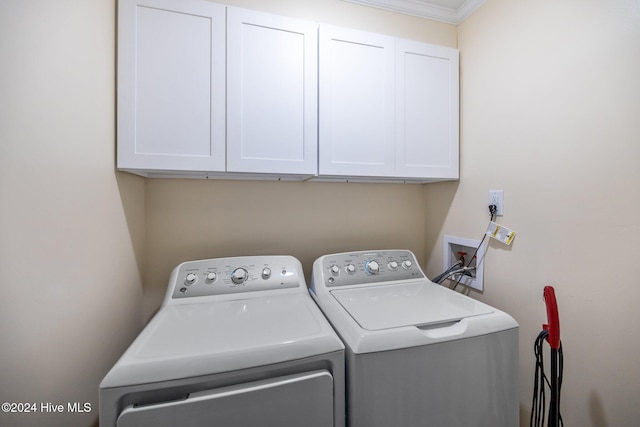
<point>408,304</point>
<point>190,340</point>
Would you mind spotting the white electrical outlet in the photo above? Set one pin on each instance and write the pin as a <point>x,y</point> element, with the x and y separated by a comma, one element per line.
<point>452,247</point>
<point>496,197</point>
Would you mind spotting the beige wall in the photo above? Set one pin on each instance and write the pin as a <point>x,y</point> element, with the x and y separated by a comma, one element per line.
<point>71,229</point>
<point>551,114</point>
<point>194,219</point>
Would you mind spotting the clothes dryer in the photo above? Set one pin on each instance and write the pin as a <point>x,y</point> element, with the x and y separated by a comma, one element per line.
<point>236,342</point>
<point>417,354</point>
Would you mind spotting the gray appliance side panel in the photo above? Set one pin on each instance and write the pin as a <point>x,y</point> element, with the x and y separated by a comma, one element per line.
<point>296,400</point>
<point>464,383</point>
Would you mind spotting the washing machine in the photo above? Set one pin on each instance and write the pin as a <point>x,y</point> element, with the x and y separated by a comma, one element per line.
<point>417,353</point>
<point>236,342</point>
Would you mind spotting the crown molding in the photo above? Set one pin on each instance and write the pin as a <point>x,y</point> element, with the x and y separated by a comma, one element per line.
<point>426,9</point>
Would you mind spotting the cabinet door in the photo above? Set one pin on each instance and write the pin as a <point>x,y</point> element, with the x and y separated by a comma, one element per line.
<point>357,111</point>
<point>272,80</point>
<point>427,106</point>
<point>171,85</point>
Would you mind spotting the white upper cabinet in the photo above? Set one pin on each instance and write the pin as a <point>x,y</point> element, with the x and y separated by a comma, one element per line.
<point>357,103</point>
<point>272,84</point>
<point>171,85</point>
<point>205,90</point>
<point>427,124</point>
<point>388,108</point>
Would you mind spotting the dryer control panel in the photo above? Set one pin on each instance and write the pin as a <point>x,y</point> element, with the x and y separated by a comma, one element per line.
<point>356,268</point>
<point>221,276</point>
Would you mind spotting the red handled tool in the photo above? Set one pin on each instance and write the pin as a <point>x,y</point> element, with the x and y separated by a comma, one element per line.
<point>553,327</point>
<point>551,334</point>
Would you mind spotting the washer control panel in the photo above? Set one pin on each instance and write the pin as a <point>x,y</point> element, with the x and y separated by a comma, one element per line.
<point>356,268</point>
<point>220,276</point>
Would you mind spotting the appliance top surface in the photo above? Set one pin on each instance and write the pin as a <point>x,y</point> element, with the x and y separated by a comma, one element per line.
<point>381,300</point>
<point>227,326</point>
<point>241,327</point>
<point>191,340</point>
<point>419,303</point>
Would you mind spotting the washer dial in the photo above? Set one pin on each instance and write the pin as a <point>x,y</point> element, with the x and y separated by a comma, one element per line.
<point>371,266</point>
<point>239,275</point>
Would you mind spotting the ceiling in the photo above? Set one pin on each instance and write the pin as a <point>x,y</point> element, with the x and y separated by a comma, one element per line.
<point>449,11</point>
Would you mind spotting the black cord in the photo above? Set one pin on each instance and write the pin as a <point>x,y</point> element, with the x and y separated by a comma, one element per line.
<point>538,403</point>
<point>492,212</point>
<point>560,369</point>
<point>442,276</point>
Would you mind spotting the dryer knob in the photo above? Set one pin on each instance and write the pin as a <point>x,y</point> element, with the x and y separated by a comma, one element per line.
<point>393,265</point>
<point>372,267</point>
<point>406,264</point>
<point>190,279</point>
<point>350,268</point>
<point>239,275</point>
<point>266,273</point>
<point>211,277</point>
<point>335,269</point>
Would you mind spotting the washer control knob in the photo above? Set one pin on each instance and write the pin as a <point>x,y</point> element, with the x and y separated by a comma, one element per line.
<point>211,277</point>
<point>372,267</point>
<point>266,273</point>
<point>350,268</point>
<point>335,270</point>
<point>406,264</point>
<point>190,279</point>
<point>393,266</point>
<point>239,275</point>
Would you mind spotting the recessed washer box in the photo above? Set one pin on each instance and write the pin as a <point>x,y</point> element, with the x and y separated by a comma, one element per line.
<point>452,246</point>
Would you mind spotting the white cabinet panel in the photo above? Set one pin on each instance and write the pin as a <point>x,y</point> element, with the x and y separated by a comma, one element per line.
<point>388,108</point>
<point>427,111</point>
<point>356,103</point>
<point>206,90</point>
<point>171,93</point>
<point>272,93</point>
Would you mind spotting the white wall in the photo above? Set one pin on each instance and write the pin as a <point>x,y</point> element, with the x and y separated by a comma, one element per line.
<point>71,229</point>
<point>551,114</point>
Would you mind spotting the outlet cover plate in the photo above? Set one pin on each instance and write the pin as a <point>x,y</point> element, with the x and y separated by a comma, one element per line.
<point>496,197</point>
<point>450,247</point>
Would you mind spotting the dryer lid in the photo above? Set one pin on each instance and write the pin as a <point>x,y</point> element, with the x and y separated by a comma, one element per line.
<point>191,340</point>
<point>409,304</point>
